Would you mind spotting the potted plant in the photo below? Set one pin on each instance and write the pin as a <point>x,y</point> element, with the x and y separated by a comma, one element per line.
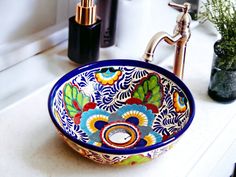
<point>222,13</point>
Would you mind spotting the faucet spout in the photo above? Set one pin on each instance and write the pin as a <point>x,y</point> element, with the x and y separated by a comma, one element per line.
<point>156,39</point>
<point>179,39</point>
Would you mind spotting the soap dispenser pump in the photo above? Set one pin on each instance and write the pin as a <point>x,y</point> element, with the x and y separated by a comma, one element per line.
<point>84,33</point>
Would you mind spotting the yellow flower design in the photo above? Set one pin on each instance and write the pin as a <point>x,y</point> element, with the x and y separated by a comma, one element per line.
<point>108,76</point>
<point>179,103</point>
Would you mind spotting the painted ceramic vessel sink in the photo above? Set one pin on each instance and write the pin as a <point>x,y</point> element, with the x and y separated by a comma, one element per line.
<point>120,112</point>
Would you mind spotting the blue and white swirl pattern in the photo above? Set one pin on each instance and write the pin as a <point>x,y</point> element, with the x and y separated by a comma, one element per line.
<point>110,98</point>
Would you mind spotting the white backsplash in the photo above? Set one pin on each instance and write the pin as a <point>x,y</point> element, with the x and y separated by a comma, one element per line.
<point>139,20</point>
<point>25,17</point>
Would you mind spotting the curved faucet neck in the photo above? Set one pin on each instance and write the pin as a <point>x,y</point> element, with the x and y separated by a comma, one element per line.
<point>156,39</point>
<point>180,38</point>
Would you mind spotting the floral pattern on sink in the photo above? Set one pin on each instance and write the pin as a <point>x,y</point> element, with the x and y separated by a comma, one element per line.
<point>97,105</point>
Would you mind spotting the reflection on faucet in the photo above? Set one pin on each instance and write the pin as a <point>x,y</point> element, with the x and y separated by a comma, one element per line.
<point>180,39</point>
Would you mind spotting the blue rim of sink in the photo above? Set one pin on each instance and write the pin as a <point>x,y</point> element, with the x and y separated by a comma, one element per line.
<point>122,62</point>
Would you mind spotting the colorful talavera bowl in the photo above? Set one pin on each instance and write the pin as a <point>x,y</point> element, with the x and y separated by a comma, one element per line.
<point>120,112</point>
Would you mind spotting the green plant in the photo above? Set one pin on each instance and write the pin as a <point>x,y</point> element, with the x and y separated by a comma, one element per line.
<point>222,13</point>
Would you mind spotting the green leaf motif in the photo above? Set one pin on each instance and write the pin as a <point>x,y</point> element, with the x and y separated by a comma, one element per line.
<point>145,86</point>
<point>86,99</point>
<point>68,101</point>
<point>149,91</point>
<point>68,91</point>
<point>72,111</point>
<point>141,92</point>
<point>79,98</point>
<point>74,100</point>
<point>74,92</point>
<point>153,81</point>
<point>134,159</point>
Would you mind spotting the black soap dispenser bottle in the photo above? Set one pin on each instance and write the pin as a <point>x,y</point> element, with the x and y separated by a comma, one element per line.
<point>84,33</point>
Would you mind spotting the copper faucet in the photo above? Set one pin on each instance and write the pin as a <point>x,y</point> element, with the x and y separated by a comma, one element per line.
<point>180,38</point>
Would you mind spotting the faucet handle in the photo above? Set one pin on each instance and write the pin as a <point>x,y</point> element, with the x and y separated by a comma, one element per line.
<point>185,7</point>
<point>183,19</point>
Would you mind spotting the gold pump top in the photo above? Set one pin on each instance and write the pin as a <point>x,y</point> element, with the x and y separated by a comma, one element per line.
<point>86,13</point>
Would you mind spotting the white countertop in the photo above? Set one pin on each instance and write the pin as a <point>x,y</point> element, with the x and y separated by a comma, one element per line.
<point>29,145</point>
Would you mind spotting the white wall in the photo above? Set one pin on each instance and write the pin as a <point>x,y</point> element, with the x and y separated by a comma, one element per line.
<point>19,18</point>
<point>28,27</point>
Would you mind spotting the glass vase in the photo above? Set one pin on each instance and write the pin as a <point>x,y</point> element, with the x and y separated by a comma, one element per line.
<point>222,87</point>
